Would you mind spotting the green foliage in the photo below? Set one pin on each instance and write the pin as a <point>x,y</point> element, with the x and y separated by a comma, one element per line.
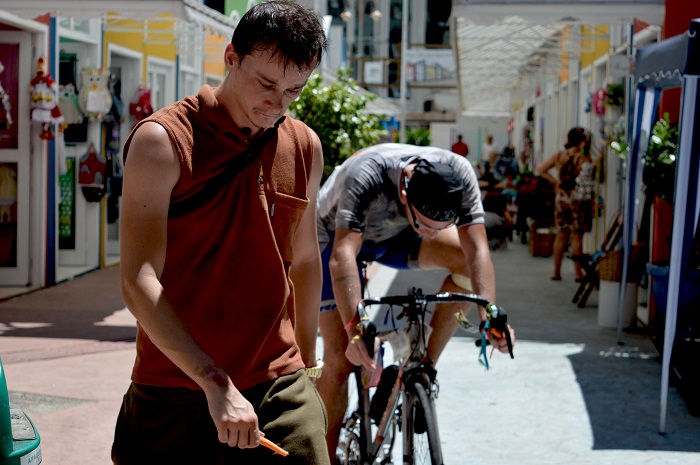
<point>616,95</point>
<point>418,136</point>
<point>617,134</point>
<point>336,112</point>
<point>660,160</point>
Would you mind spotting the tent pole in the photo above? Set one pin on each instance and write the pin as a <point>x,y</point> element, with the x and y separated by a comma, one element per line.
<point>685,211</point>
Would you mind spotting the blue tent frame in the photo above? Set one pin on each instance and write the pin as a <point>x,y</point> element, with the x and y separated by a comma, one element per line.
<point>674,62</point>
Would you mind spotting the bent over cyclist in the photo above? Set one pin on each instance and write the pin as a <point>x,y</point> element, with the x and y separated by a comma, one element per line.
<point>407,207</point>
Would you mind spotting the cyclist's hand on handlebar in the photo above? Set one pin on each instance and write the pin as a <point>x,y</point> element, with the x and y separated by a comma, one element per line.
<point>357,352</point>
<point>498,340</point>
<point>234,417</point>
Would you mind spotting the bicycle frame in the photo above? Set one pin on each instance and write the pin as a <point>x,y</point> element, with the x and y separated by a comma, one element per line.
<point>411,367</point>
<point>372,447</point>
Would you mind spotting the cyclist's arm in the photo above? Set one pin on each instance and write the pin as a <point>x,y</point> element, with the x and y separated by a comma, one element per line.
<point>475,246</point>
<point>151,171</point>
<point>306,267</point>
<point>347,288</point>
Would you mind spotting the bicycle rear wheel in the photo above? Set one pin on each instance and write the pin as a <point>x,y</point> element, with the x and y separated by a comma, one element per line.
<point>422,436</point>
<point>355,434</point>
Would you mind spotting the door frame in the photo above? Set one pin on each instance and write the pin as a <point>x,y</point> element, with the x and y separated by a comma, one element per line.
<point>130,82</point>
<point>22,155</point>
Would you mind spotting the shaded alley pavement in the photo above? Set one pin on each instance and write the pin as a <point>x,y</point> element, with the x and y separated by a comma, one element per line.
<point>572,395</point>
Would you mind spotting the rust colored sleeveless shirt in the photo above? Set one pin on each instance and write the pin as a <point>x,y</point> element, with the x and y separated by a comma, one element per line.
<point>227,262</point>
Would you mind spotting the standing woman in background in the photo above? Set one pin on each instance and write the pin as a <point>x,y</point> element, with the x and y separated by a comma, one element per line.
<point>573,204</point>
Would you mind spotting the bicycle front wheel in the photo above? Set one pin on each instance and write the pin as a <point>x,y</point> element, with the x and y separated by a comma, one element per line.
<point>422,436</point>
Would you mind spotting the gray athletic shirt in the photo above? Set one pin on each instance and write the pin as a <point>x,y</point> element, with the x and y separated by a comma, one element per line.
<point>363,193</point>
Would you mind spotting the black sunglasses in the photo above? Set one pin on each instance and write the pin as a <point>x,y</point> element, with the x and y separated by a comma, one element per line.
<point>423,226</point>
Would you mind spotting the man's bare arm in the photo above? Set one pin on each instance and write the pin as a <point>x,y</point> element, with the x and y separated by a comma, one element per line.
<point>306,271</point>
<point>151,171</point>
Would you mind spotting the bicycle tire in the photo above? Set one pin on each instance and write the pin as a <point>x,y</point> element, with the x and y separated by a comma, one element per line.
<point>350,431</point>
<point>423,446</point>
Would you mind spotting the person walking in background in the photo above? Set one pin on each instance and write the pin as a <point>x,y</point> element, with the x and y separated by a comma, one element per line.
<point>573,203</point>
<point>488,148</point>
<point>220,262</point>
<point>460,147</point>
<point>407,207</point>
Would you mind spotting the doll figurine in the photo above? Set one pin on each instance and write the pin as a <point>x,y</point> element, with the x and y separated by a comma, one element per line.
<point>44,101</point>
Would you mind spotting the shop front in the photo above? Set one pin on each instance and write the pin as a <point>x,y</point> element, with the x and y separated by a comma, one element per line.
<point>61,145</point>
<point>22,158</point>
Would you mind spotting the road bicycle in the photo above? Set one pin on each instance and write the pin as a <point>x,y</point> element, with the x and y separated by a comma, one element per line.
<point>404,397</point>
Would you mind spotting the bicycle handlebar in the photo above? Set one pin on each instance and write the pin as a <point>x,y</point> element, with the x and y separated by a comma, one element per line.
<point>496,316</point>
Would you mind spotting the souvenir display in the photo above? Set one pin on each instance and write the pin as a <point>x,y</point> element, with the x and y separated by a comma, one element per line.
<point>140,106</point>
<point>91,174</point>
<point>44,101</point>
<point>94,98</point>
<point>68,103</point>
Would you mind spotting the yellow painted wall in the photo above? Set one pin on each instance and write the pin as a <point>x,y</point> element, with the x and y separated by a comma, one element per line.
<point>594,49</point>
<point>214,46</point>
<point>563,55</point>
<point>160,41</point>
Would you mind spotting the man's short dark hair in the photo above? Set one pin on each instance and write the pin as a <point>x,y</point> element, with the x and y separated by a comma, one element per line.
<point>288,28</point>
<point>435,190</point>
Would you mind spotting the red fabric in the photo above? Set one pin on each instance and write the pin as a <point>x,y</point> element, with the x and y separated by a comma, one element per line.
<point>460,148</point>
<point>227,263</point>
<point>92,168</point>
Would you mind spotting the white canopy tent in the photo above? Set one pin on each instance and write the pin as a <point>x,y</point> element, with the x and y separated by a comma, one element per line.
<point>505,48</point>
<point>675,62</point>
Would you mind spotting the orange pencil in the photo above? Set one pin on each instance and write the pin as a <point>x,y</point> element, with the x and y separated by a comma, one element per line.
<point>272,446</point>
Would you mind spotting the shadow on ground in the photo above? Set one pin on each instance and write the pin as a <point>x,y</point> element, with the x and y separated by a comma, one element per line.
<point>620,380</point>
<point>75,309</point>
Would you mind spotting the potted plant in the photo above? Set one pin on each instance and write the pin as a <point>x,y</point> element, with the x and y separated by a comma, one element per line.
<point>616,95</point>
<point>659,175</point>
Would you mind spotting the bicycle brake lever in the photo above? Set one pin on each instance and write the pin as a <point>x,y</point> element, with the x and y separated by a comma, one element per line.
<point>498,324</point>
<point>369,333</point>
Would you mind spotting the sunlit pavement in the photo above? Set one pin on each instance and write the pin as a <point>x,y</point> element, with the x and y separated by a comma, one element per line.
<point>572,395</point>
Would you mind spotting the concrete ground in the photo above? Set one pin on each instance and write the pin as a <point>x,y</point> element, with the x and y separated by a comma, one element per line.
<point>572,395</point>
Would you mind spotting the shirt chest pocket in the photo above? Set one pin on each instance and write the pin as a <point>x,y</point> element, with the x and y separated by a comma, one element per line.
<point>286,213</point>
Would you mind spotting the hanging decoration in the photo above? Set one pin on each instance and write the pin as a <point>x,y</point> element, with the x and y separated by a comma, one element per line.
<point>91,174</point>
<point>94,98</point>
<point>44,101</point>
<point>5,106</point>
<point>68,103</point>
<point>140,106</point>
<point>599,100</point>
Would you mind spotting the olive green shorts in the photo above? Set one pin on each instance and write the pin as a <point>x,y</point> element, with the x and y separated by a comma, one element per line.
<point>158,425</point>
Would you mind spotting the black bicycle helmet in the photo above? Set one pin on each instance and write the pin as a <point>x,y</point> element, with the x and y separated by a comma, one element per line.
<point>435,190</point>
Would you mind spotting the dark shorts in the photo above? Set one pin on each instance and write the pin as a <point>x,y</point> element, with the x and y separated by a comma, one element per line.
<point>400,252</point>
<point>158,425</point>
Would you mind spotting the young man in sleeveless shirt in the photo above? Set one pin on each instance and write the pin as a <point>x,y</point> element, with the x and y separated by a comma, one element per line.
<point>226,291</point>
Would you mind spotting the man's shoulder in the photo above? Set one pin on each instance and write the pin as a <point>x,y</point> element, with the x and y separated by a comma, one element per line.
<point>297,131</point>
